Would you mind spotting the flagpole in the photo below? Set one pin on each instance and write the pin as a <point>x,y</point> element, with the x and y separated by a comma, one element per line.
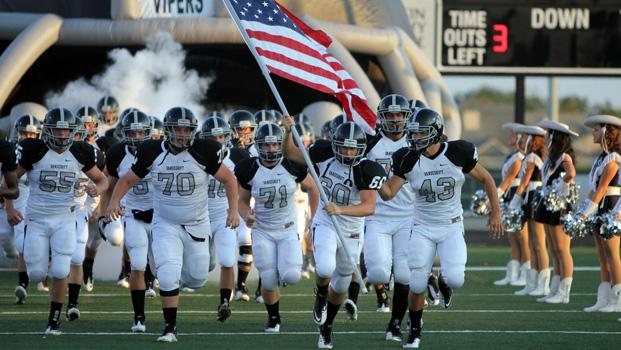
<point>298,140</point>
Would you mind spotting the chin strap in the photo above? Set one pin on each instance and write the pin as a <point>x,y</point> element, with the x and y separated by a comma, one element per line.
<point>604,143</point>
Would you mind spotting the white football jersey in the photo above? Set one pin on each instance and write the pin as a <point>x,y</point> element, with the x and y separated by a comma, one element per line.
<point>216,195</point>
<point>273,190</point>
<point>140,197</point>
<point>52,176</point>
<point>343,184</point>
<point>179,180</point>
<point>381,151</point>
<point>436,181</point>
<point>512,158</point>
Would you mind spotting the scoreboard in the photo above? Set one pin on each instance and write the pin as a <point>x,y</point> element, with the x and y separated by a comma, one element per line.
<point>529,37</point>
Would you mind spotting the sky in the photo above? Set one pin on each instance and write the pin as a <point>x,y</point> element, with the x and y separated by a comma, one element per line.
<point>596,89</point>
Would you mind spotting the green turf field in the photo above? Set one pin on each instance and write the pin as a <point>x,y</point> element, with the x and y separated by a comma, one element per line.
<point>482,316</point>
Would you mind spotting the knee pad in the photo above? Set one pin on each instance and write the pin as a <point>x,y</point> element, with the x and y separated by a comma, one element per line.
<point>60,266</point>
<point>78,254</point>
<point>324,269</point>
<point>168,278</point>
<point>245,254</point>
<point>36,275</point>
<point>418,280</point>
<point>340,283</point>
<point>195,275</point>
<point>401,273</point>
<point>453,278</point>
<point>291,276</point>
<point>269,279</point>
<point>377,275</point>
<point>8,244</point>
<point>137,259</point>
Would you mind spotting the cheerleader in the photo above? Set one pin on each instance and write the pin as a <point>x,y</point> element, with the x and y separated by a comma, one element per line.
<point>602,198</point>
<point>560,160</point>
<point>538,276</point>
<point>520,255</point>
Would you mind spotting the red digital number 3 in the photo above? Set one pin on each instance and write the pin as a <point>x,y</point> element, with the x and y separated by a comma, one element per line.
<point>500,40</point>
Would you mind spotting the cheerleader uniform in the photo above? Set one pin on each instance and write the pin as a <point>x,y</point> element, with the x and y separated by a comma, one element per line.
<point>613,191</point>
<point>533,184</point>
<point>509,161</point>
<point>550,173</point>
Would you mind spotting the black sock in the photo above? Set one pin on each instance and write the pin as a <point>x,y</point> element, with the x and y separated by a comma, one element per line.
<point>87,268</point>
<point>22,279</point>
<point>54,316</point>
<point>380,293</point>
<point>353,292</point>
<point>138,304</point>
<point>273,311</point>
<point>127,267</point>
<point>399,303</point>
<point>333,309</point>
<point>415,318</point>
<point>225,295</point>
<point>170,317</point>
<point>322,290</point>
<point>74,293</point>
<point>148,277</point>
<point>241,278</point>
<point>258,291</point>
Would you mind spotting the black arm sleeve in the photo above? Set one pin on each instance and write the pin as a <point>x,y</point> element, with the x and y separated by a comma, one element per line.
<point>463,154</point>
<point>369,175</point>
<point>320,150</point>
<point>208,153</point>
<point>114,157</point>
<point>31,151</point>
<point>85,154</point>
<point>8,157</point>
<point>145,156</point>
<point>403,161</point>
<point>245,171</point>
<point>238,155</point>
<point>298,170</point>
<point>101,159</point>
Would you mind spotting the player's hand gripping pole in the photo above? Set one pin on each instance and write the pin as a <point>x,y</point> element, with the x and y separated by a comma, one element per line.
<point>298,140</point>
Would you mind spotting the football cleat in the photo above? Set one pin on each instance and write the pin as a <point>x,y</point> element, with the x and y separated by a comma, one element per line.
<point>325,337</point>
<point>413,341</point>
<point>188,290</point>
<point>20,295</point>
<point>351,309</point>
<point>53,329</point>
<point>393,332</point>
<point>123,282</point>
<point>383,307</point>
<point>445,291</point>
<point>88,284</point>
<point>320,309</point>
<point>305,274</point>
<point>150,293</point>
<point>42,287</point>
<point>224,311</point>
<point>258,298</point>
<point>139,327</point>
<point>242,294</point>
<point>433,290</point>
<point>169,335</point>
<point>72,312</point>
<point>273,325</point>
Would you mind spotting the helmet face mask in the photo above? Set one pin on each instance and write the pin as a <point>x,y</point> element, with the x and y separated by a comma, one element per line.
<point>243,126</point>
<point>136,128</point>
<point>267,135</point>
<point>26,126</point>
<point>217,129</point>
<point>425,129</point>
<point>393,113</point>
<point>180,127</point>
<point>347,138</point>
<point>59,128</point>
<point>157,128</point>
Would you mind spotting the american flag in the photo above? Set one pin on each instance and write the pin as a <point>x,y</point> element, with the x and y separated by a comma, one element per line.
<point>291,49</point>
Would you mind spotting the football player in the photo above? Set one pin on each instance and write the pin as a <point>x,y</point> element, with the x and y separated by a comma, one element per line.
<point>225,238</point>
<point>53,164</point>
<point>272,182</point>
<point>137,205</point>
<point>8,164</point>
<point>13,212</point>
<point>435,172</point>
<point>108,108</point>
<point>243,125</point>
<point>85,206</point>
<point>157,128</point>
<point>350,182</point>
<point>179,167</point>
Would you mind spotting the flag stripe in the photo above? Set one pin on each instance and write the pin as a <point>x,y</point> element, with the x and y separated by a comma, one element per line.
<point>288,60</point>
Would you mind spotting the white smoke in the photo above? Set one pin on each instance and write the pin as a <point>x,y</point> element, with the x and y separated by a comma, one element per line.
<point>153,80</point>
